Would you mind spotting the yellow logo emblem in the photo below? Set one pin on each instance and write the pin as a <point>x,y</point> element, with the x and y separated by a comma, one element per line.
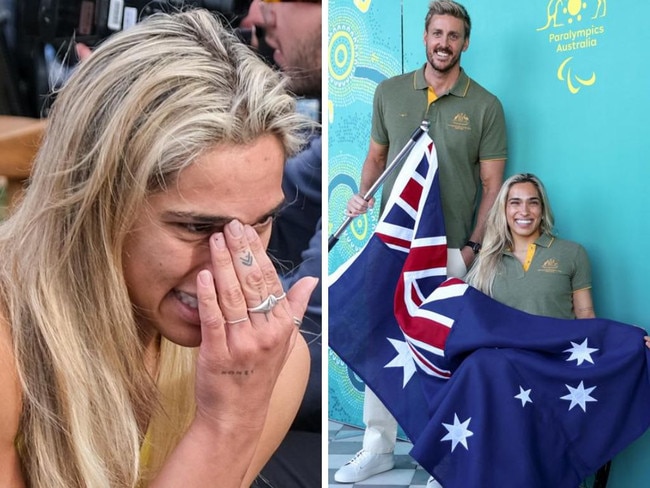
<point>567,35</point>
<point>551,265</point>
<point>460,122</point>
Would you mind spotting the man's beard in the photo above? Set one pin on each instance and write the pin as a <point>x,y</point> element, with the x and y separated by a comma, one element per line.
<point>304,70</point>
<point>446,68</point>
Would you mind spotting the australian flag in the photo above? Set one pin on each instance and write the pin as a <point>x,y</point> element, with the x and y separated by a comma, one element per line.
<point>489,395</point>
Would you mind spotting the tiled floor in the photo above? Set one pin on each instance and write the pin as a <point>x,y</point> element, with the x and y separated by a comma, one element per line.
<point>345,441</point>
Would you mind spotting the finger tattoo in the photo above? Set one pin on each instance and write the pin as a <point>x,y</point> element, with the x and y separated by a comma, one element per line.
<point>247,259</point>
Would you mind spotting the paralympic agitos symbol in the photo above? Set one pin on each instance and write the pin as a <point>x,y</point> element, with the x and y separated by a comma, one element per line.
<point>569,77</point>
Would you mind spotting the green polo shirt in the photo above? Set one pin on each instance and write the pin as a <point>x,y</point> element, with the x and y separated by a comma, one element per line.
<point>467,125</point>
<point>555,269</point>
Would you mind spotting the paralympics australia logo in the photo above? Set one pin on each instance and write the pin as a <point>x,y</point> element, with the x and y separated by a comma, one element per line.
<point>572,26</point>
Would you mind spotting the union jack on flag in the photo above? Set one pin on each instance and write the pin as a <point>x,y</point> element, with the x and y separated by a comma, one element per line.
<point>424,247</point>
<point>488,395</point>
<point>375,297</point>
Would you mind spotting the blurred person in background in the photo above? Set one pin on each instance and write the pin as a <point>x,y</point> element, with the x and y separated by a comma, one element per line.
<point>290,33</point>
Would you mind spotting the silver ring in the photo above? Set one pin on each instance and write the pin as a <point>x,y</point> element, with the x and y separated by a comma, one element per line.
<point>297,322</point>
<point>238,321</point>
<point>267,304</point>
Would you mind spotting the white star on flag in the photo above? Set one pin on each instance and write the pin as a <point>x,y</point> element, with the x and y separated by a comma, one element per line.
<point>579,396</point>
<point>580,352</point>
<point>457,433</point>
<point>404,359</point>
<point>524,396</point>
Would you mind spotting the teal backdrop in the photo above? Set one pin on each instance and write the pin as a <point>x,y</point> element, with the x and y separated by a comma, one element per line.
<point>574,81</point>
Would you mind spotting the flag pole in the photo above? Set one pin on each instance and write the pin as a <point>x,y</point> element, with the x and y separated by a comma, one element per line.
<point>422,129</point>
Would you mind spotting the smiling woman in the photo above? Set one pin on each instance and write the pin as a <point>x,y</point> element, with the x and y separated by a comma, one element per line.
<point>523,264</point>
<point>133,347</point>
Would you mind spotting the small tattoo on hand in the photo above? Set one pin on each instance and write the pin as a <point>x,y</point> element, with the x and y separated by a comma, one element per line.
<point>247,260</point>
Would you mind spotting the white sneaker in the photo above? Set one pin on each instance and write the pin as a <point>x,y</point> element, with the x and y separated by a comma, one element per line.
<point>363,465</point>
<point>432,483</point>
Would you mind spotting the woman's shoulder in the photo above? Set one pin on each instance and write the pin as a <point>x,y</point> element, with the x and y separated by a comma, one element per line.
<point>571,251</point>
<point>566,245</point>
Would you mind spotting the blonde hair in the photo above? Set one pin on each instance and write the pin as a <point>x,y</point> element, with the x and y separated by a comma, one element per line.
<point>448,7</point>
<point>147,103</point>
<point>498,237</point>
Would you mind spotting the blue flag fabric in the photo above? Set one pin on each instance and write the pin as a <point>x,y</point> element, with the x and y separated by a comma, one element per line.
<point>489,395</point>
<point>532,401</point>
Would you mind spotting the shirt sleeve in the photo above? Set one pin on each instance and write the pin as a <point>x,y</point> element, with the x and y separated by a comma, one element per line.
<point>494,142</point>
<point>378,130</point>
<point>582,274</point>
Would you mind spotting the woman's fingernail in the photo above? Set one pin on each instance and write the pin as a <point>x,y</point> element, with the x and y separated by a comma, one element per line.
<point>205,277</point>
<point>251,235</point>
<point>236,228</point>
<point>219,241</point>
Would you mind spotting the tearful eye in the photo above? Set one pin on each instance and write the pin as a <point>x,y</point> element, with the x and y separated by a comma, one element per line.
<point>197,228</point>
<point>194,228</point>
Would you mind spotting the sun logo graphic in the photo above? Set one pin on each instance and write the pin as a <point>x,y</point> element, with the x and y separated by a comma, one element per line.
<point>574,10</point>
<point>571,11</point>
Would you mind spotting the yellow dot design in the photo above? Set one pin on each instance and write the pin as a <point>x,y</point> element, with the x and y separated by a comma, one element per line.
<point>573,8</point>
